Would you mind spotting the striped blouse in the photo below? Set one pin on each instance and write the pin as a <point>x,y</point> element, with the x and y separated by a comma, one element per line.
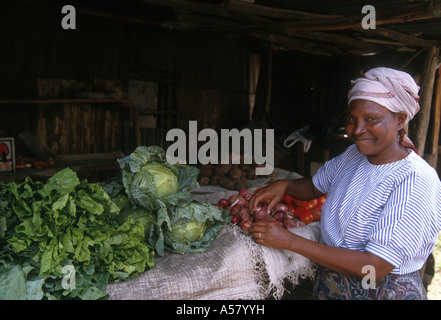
<point>391,210</point>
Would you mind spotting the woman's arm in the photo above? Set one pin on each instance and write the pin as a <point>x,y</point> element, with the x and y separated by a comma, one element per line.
<point>345,261</point>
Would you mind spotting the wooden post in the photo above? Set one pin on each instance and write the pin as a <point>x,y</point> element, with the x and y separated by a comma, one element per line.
<point>420,123</point>
<point>436,122</point>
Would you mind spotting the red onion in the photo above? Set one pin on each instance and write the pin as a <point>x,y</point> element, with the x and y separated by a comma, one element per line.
<point>223,203</point>
<point>246,224</point>
<point>235,219</point>
<point>281,207</point>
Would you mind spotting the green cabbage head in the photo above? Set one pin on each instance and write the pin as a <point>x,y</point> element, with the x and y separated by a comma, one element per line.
<point>185,230</point>
<point>164,179</point>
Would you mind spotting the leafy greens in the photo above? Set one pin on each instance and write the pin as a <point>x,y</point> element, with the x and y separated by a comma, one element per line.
<point>65,224</point>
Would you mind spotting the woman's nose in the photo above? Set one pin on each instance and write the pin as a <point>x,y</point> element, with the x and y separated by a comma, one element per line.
<point>357,128</point>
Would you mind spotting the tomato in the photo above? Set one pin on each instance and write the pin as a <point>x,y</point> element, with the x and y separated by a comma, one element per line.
<point>298,211</point>
<point>288,199</point>
<point>306,217</point>
<point>310,204</point>
<point>321,200</point>
<point>318,207</point>
<point>300,203</point>
<point>316,213</point>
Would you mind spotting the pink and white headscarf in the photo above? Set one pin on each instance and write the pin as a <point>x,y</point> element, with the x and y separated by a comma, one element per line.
<point>393,89</point>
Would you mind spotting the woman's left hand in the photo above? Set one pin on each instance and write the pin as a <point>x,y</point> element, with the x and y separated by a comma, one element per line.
<point>271,234</point>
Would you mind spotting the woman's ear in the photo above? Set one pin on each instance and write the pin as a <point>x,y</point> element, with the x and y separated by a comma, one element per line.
<point>401,119</point>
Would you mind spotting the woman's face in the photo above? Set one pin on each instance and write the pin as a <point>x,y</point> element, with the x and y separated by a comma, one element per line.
<point>374,129</point>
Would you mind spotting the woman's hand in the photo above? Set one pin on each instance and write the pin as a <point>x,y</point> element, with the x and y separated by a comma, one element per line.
<point>301,189</point>
<point>271,234</point>
<point>272,194</point>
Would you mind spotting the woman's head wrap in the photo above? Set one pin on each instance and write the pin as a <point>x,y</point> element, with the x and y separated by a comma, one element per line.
<point>395,90</point>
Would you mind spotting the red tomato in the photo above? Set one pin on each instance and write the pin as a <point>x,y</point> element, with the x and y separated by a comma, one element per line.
<point>306,217</point>
<point>318,206</point>
<point>288,199</point>
<point>310,204</point>
<point>300,203</point>
<point>316,213</point>
<point>291,207</point>
<point>321,200</point>
<point>298,211</point>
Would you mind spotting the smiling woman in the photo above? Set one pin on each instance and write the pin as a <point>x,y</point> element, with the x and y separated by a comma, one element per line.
<point>383,206</point>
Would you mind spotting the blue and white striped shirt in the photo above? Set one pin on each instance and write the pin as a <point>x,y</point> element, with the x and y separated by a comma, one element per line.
<point>391,210</point>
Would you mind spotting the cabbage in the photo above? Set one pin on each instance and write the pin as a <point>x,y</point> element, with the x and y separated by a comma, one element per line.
<point>182,224</point>
<point>165,181</point>
<point>187,231</point>
<point>151,182</point>
<point>194,225</point>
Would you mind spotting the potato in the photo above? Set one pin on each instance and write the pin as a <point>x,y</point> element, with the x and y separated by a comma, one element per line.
<point>235,174</point>
<point>203,180</point>
<point>222,169</point>
<point>206,170</point>
<point>250,174</point>
<point>214,179</point>
<point>241,184</point>
<point>226,183</point>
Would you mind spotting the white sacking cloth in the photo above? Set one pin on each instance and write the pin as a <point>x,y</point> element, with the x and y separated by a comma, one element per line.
<point>233,267</point>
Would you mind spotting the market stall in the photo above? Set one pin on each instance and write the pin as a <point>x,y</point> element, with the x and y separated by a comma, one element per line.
<point>233,267</point>
<point>71,239</point>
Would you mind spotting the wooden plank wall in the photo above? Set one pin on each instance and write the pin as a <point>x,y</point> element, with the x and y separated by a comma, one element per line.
<point>71,128</point>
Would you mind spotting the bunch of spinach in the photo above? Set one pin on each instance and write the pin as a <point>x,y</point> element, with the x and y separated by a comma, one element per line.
<point>62,240</point>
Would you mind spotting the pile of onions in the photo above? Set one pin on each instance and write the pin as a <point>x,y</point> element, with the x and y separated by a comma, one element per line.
<point>242,215</point>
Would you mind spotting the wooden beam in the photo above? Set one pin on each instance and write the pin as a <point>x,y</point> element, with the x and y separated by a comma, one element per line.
<point>206,9</point>
<point>410,13</point>
<point>275,13</point>
<point>336,39</point>
<point>420,124</point>
<point>289,43</point>
<point>402,37</point>
<point>50,101</point>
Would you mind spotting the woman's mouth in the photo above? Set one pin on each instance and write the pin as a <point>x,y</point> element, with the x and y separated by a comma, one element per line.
<point>362,140</point>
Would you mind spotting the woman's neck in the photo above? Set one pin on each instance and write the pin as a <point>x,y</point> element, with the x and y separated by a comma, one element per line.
<point>394,153</point>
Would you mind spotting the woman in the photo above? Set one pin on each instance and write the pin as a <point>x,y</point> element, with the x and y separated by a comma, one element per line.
<point>382,215</point>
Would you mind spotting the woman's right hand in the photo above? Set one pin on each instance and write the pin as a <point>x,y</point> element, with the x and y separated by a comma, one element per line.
<point>272,194</point>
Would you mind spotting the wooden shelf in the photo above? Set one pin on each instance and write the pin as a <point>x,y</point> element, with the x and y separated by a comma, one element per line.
<point>87,166</point>
<point>124,102</point>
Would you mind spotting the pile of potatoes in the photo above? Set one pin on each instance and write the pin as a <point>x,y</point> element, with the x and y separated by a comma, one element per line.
<point>228,176</point>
